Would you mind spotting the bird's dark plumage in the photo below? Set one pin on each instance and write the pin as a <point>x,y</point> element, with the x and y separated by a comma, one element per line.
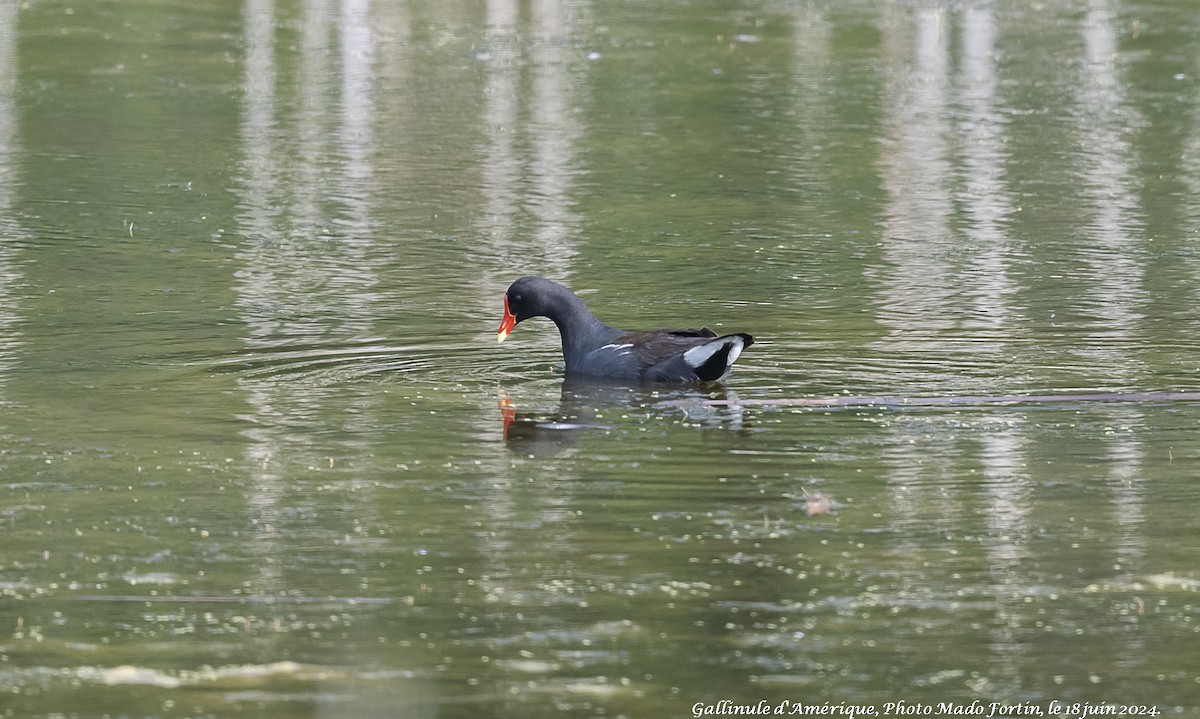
<point>592,348</point>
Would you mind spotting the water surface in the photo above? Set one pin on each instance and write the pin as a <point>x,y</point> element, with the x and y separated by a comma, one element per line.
<point>262,456</point>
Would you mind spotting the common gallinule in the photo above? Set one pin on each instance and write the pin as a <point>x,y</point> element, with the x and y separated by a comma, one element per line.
<point>592,348</point>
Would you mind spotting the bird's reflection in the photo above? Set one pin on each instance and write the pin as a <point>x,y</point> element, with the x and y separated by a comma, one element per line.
<point>585,405</point>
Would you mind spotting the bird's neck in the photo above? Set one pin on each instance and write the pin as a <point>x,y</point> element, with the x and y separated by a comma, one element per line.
<point>578,327</point>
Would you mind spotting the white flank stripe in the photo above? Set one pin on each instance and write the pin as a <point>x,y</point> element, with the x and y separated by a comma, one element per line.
<point>618,348</point>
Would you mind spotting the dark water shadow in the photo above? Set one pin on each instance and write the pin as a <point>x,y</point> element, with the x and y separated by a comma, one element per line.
<point>592,406</point>
<point>859,401</point>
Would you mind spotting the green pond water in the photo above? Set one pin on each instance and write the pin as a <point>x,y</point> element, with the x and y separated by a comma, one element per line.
<point>261,456</point>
